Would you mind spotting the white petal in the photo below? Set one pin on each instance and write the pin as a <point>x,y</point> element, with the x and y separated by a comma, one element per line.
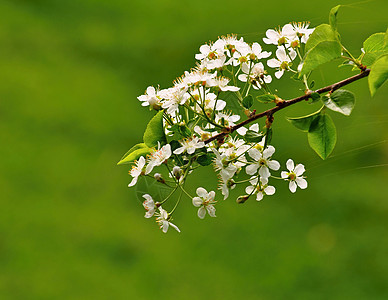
<point>254,127</point>
<point>299,169</point>
<point>249,189</point>
<point>268,152</point>
<point>279,74</point>
<point>242,131</point>
<point>165,226</point>
<point>273,63</point>
<point>270,190</point>
<point>211,195</point>
<point>251,169</point>
<point>284,174</point>
<point>201,192</point>
<point>201,212</point>
<point>197,202</point>
<point>151,91</point>
<point>292,186</point>
<point>254,153</point>
<point>179,150</point>
<point>175,227</point>
<point>259,196</point>
<point>264,172</point>
<point>211,210</point>
<point>133,182</point>
<point>273,165</point>
<point>290,165</point>
<point>243,77</point>
<point>245,68</point>
<point>220,105</point>
<point>302,183</point>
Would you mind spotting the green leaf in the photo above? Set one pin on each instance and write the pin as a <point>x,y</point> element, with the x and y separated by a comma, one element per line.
<point>315,97</point>
<point>333,17</point>
<point>341,101</point>
<point>154,132</point>
<point>322,33</point>
<point>303,123</point>
<point>374,47</point>
<point>322,135</point>
<point>320,54</point>
<point>248,101</point>
<point>157,190</point>
<point>266,98</point>
<point>378,74</point>
<point>134,153</point>
<point>205,159</point>
<point>253,137</point>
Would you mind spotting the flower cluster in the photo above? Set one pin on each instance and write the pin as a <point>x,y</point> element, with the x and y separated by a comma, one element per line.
<point>201,104</point>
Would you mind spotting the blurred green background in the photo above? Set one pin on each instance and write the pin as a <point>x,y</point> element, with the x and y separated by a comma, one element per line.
<point>70,72</point>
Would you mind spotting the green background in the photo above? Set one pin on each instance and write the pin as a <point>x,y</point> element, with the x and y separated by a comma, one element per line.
<point>70,72</point>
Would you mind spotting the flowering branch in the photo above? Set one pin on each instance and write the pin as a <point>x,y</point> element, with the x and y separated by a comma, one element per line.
<point>282,104</point>
<point>194,127</point>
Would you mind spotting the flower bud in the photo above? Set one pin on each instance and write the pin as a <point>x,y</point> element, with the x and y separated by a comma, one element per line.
<point>242,199</point>
<point>159,178</point>
<point>177,172</point>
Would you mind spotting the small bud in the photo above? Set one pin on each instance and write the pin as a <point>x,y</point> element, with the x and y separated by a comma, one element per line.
<point>158,177</point>
<point>177,172</point>
<point>242,199</point>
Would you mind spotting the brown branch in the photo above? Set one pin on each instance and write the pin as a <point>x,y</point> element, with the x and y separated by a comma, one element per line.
<point>281,105</point>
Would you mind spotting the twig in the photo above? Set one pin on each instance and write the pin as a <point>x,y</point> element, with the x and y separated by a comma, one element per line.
<point>283,104</point>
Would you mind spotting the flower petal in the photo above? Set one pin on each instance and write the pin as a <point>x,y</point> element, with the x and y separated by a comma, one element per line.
<point>197,202</point>
<point>292,186</point>
<point>201,212</point>
<point>273,165</point>
<point>302,183</point>
<point>290,165</point>
<point>201,192</point>
<point>211,210</point>
<point>270,190</point>
<point>299,169</point>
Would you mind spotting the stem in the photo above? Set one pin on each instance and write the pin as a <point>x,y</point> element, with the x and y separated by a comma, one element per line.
<point>280,106</point>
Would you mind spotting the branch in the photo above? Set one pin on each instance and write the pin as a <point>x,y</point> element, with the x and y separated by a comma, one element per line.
<point>283,104</point>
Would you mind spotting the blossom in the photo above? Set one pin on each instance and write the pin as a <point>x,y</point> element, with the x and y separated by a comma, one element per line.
<point>137,170</point>
<point>294,176</point>
<point>279,37</point>
<point>212,56</point>
<point>203,133</point>
<point>255,75</point>
<point>210,102</point>
<point>163,220</point>
<point>151,98</point>
<point>263,162</point>
<point>282,61</point>
<point>158,157</point>
<point>222,84</point>
<point>173,98</point>
<point>205,203</point>
<point>149,206</point>
<point>189,145</point>
<point>302,31</point>
<point>260,188</point>
<point>225,119</point>
<point>221,163</point>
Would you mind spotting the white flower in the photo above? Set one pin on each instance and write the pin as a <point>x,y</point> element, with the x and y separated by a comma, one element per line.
<point>221,163</point>
<point>173,98</point>
<point>282,61</point>
<point>257,51</point>
<point>302,31</point>
<point>279,37</point>
<point>255,75</point>
<point>222,84</point>
<point>189,145</point>
<point>158,157</point>
<point>294,176</point>
<point>149,206</point>
<point>225,185</point>
<point>211,102</point>
<point>203,133</point>
<point>136,170</point>
<point>229,120</point>
<point>151,98</point>
<point>163,220</point>
<point>262,188</point>
<point>263,162</point>
<point>211,56</point>
<point>205,203</point>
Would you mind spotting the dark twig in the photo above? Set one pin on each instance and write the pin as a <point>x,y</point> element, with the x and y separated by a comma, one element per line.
<point>281,105</point>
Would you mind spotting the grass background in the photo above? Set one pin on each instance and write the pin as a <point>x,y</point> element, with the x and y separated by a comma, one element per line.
<point>70,72</point>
